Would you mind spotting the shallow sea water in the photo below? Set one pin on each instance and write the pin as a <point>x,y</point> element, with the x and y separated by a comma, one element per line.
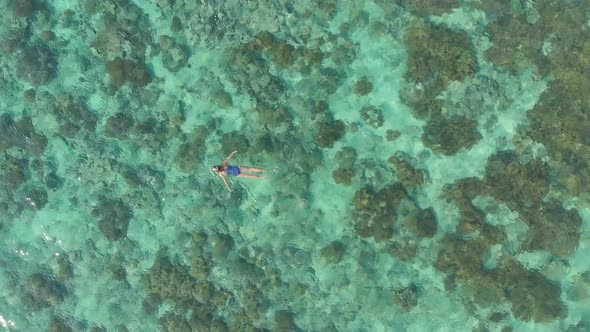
<point>426,165</point>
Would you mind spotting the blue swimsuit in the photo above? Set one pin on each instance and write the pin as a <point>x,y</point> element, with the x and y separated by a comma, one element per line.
<point>232,170</point>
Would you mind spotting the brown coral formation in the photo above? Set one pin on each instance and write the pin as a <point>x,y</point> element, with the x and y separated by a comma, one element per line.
<point>427,8</point>
<point>345,159</point>
<point>531,295</point>
<point>191,151</point>
<point>332,253</point>
<point>375,212</point>
<point>363,86</point>
<point>437,56</point>
<point>372,115</point>
<point>523,187</point>
<point>123,71</point>
<point>409,176</point>
<point>449,136</point>
<point>74,116</point>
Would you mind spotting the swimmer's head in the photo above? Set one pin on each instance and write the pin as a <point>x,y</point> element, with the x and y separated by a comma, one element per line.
<point>216,168</point>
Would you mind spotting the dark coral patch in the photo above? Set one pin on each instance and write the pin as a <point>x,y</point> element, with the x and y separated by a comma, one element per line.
<point>119,125</point>
<point>74,116</point>
<point>519,185</point>
<point>555,229</point>
<point>37,64</point>
<point>559,121</point>
<point>23,8</point>
<point>375,212</point>
<point>36,142</point>
<point>532,296</point>
<point>409,176</point>
<point>423,223</point>
<point>449,136</point>
<point>191,151</point>
<point>333,252</point>
<point>436,52</point>
<point>363,86</point>
<point>329,132</point>
<point>437,56</point>
<point>372,115</point>
<point>427,7</point>
<point>342,176</point>
<point>407,297</point>
<point>113,218</point>
<point>43,291</point>
<point>516,43</point>
<point>123,71</point>
<point>13,171</point>
<point>9,136</point>
<point>175,57</point>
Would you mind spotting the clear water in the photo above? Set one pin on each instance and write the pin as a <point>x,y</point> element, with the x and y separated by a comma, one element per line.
<point>426,165</point>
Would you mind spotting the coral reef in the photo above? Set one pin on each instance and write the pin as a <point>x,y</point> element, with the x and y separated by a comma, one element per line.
<point>403,249</point>
<point>9,136</point>
<point>363,86</point>
<point>521,186</point>
<point>332,253</point>
<point>563,106</point>
<point>74,116</point>
<point>374,212</point>
<point>553,228</point>
<point>221,245</point>
<point>119,125</point>
<point>35,143</point>
<point>122,30</point>
<point>372,115</point>
<point>328,133</point>
<point>427,8</point>
<point>175,57</point>
<point>345,159</point>
<point>408,175</point>
<point>392,135</point>
<point>516,43</point>
<point>58,324</point>
<point>37,197</point>
<point>449,136</point>
<point>407,298</point>
<point>123,71</point>
<point>153,134</point>
<point>43,291</point>
<point>438,55</point>
<point>13,170</point>
<point>37,64</point>
<point>234,140</point>
<point>222,99</point>
<point>191,151</point>
<point>266,90</point>
<point>342,176</point>
<point>423,223</point>
<point>188,290</point>
<point>171,282</point>
<point>284,321</point>
<point>532,296</point>
<point>113,218</point>
<point>23,8</point>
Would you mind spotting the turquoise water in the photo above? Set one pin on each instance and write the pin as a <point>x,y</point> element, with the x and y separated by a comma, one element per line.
<point>426,165</point>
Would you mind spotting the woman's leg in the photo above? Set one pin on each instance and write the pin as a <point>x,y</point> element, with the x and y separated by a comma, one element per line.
<point>249,176</point>
<point>250,169</point>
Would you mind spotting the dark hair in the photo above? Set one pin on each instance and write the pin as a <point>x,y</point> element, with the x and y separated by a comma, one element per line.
<point>217,168</point>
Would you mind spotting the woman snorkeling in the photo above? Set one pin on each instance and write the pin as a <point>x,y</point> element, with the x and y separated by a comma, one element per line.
<point>224,169</point>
